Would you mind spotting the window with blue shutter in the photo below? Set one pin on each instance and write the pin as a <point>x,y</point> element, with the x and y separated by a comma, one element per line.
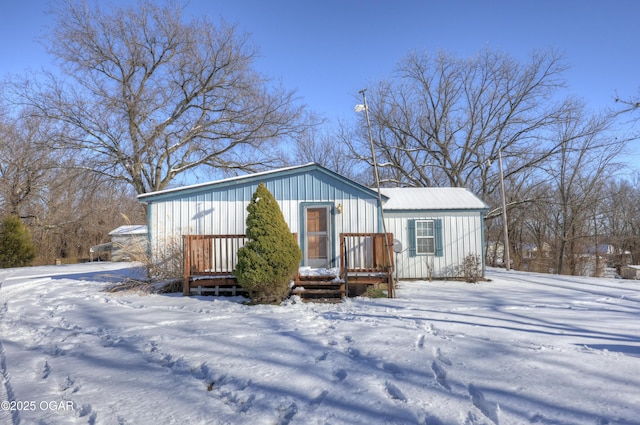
<point>425,237</point>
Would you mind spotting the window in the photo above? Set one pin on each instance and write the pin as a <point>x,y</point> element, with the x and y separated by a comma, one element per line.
<point>425,237</point>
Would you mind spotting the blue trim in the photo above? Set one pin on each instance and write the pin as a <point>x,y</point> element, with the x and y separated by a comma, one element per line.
<point>437,235</point>
<point>149,230</point>
<point>484,254</point>
<point>411,232</point>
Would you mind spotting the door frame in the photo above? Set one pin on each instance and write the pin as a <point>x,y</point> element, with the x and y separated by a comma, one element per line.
<point>331,248</point>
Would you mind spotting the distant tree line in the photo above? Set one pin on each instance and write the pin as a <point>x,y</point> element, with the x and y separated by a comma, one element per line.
<point>442,121</point>
<point>145,99</point>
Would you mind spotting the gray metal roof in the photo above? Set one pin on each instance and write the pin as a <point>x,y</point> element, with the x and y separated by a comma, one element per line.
<point>431,198</point>
<point>134,229</point>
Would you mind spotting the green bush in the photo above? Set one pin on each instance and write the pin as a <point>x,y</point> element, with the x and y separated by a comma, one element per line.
<point>16,246</point>
<point>271,257</point>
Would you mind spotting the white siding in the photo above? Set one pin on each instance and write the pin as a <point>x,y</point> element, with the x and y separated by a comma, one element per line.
<point>461,235</point>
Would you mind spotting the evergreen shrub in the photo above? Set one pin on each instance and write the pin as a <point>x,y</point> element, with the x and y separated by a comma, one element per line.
<point>16,245</point>
<point>271,257</point>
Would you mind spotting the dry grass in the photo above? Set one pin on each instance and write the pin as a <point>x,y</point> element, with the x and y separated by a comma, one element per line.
<point>145,287</point>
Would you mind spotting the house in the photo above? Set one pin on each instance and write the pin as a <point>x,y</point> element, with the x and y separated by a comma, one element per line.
<point>335,221</point>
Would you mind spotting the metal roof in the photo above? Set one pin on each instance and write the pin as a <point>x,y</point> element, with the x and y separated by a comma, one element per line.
<point>135,229</point>
<point>431,198</point>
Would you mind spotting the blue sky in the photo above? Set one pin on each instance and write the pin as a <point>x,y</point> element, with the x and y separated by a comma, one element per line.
<point>330,49</point>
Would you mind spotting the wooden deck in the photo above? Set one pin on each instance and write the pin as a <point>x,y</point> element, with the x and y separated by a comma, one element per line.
<point>209,261</point>
<point>365,261</point>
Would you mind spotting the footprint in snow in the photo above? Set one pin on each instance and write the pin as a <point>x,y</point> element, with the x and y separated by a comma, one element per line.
<point>45,370</point>
<point>84,410</point>
<point>354,353</point>
<point>488,409</point>
<point>340,374</point>
<point>433,420</point>
<point>394,392</point>
<point>233,392</point>
<point>420,341</point>
<point>391,368</point>
<point>441,357</point>
<point>319,398</point>
<point>286,413</point>
<point>245,404</point>
<point>441,375</point>
<point>322,357</point>
<point>68,385</point>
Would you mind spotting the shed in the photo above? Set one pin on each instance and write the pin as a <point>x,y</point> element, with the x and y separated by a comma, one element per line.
<point>128,241</point>
<point>630,272</point>
<point>437,228</point>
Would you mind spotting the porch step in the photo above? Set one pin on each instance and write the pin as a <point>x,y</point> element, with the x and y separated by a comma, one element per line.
<point>366,280</point>
<point>319,289</point>
<point>307,293</point>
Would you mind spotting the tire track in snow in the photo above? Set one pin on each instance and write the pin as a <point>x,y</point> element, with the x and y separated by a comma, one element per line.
<point>6,392</point>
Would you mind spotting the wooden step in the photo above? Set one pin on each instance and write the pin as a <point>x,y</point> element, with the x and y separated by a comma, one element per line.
<point>328,291</point>
<point>315,277</point>
<point>366,280</point>
<point>317,285</point>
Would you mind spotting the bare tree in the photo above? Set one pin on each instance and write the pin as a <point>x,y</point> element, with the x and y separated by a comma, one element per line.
<point>77,210</point>
<point>26,161</point>
<point>621,218</point>
<point>629,104</point>
<point>441,119</point>
<point>331,150</point>
<point>583,165</point>
<point>148,97</point>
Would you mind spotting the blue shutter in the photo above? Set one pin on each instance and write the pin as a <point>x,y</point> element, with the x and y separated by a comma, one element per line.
<point>437,226</point>
<point>412,238</point>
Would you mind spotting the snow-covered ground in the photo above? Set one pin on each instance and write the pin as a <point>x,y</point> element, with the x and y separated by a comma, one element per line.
<point>521,349</point>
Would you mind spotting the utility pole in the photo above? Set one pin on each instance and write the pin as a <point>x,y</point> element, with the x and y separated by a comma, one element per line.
<point>505,255</point>
<point>375,172</point>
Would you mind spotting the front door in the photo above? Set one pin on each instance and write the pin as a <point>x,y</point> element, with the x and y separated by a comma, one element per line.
<point>317,236</point>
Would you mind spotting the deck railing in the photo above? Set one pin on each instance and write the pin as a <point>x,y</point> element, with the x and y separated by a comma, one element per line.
<point>211,254</point>
<point>366,252</point>
<point>217,255</point>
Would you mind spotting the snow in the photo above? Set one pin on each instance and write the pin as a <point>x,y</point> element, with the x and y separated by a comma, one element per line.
<point>431,198</point>
<point>519,349</point>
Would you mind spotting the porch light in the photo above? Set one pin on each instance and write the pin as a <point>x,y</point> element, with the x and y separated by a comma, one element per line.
<point>339,208</point>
